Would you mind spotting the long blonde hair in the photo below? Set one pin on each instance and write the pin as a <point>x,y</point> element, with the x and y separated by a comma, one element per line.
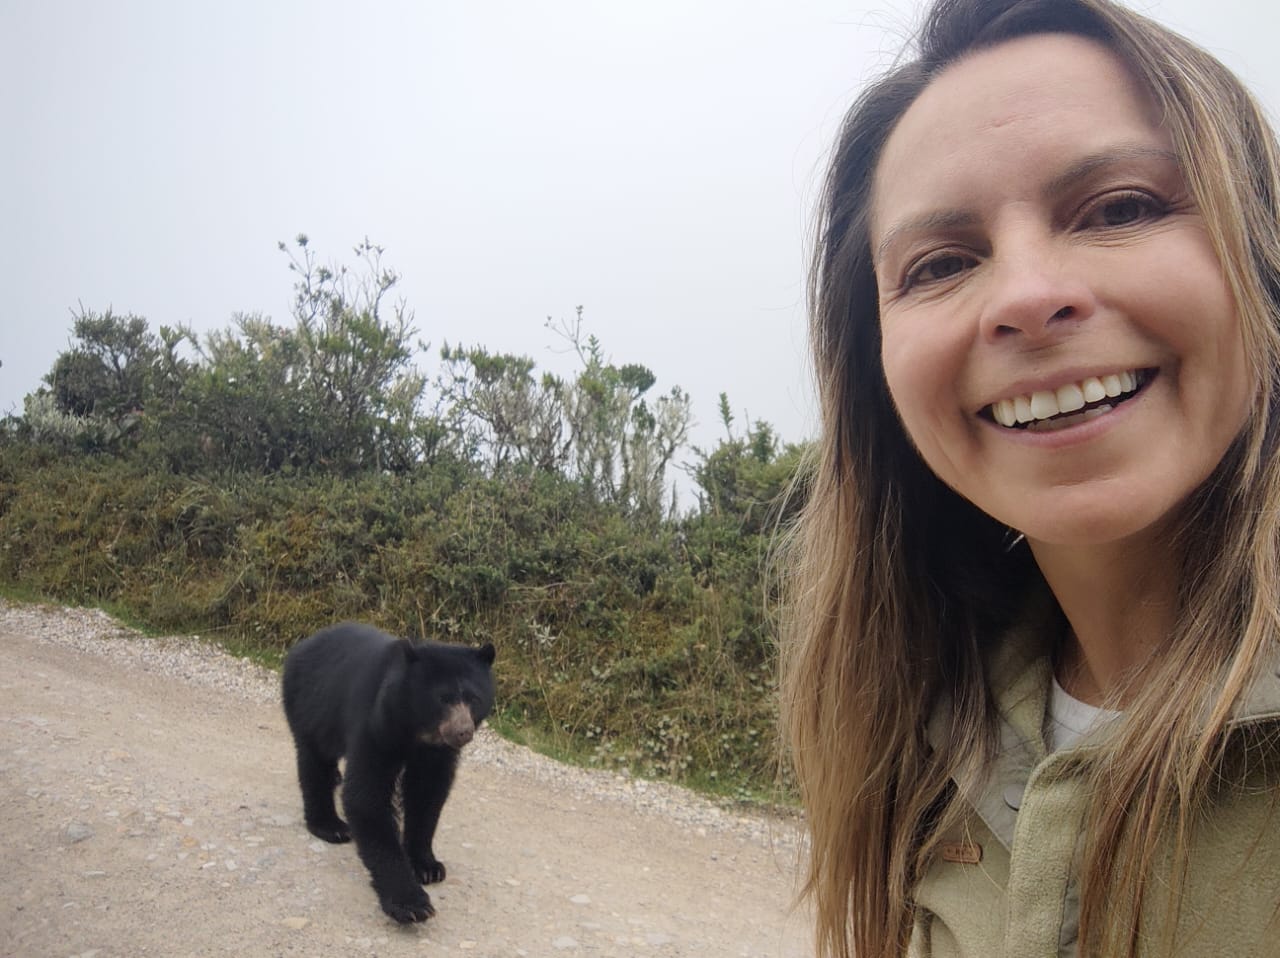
<point>896,585</point>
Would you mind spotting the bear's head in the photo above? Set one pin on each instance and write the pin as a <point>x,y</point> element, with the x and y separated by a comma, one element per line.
<point>436,693</point>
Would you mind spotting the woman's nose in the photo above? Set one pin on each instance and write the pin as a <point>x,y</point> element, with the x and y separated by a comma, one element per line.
<point>1036,293</point>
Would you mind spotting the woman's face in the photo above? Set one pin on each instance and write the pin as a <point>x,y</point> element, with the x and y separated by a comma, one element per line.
<point>1057,334</point>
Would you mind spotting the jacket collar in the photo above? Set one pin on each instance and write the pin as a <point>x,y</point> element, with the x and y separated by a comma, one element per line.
<point>1018,679</point>
<point>1261,703</point>
<point>1018,676</point>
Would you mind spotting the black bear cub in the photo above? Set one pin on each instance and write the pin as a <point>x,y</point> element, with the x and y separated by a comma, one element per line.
<point>399,712</point>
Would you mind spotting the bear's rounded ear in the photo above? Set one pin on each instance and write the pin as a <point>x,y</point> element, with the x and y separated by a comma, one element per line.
<point>486,653</point>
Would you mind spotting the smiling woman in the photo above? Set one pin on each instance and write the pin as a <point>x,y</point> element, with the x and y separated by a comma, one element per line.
<point>1037,243</point>
<point>1029,671</point>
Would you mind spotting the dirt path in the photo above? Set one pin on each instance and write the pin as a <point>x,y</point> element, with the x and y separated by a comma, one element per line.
<point>148,813</point>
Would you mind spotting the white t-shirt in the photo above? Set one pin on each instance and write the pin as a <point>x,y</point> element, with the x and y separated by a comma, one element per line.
<point>1070,720</point>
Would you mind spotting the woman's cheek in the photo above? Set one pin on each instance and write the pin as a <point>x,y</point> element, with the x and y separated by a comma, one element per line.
<point>913,372</point>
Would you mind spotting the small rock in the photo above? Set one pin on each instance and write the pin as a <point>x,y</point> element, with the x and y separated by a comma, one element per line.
<point>77,832</point>
<point>296,922</point>
<point>564,943</point>
<point>580,900</point>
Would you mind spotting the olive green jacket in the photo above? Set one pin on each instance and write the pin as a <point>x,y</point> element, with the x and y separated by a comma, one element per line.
<point>1004,884</point>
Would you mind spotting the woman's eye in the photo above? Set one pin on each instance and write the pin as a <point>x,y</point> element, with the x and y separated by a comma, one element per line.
<point>1122,210</point>
<point>937,268</point>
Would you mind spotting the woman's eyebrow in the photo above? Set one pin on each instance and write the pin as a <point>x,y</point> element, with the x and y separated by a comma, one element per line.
<point>1087,166</point>
<point>924,223</point>
<point>1072,176</point>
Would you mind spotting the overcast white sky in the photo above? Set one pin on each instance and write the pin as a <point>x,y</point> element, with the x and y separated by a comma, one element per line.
<point>655,162</point>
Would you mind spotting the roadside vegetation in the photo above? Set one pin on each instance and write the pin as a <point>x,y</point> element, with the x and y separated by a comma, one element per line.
<point>257,483</point>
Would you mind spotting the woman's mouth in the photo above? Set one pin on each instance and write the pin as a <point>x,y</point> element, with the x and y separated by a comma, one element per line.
<point>1070,404</point>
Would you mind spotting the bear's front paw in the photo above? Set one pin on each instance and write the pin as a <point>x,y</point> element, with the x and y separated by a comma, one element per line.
<point>418,908</point>
<point>428,870</point>
<point>335,832</point>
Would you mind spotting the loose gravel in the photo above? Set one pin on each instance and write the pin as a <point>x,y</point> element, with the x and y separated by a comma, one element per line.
<point>609,848</point>
<point>193,660</point>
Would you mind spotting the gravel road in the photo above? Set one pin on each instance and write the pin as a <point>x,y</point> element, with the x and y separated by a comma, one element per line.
<point>148,806</point>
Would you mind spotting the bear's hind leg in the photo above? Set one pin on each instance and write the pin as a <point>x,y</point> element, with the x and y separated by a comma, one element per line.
<point>318,777</point>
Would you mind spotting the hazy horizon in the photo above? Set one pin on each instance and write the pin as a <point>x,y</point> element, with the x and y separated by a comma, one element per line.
<point>656,164</point>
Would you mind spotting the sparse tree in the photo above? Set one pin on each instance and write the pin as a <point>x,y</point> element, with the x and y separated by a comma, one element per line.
<point>107,370</point>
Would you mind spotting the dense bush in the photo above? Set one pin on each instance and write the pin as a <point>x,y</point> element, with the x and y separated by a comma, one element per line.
<point>633,646</point>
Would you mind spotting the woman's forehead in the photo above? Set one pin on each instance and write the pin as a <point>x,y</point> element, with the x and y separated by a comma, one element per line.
<point>1037,103</point>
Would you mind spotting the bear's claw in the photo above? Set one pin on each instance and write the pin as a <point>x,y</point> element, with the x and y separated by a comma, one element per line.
<point>429,871</point>
<point>408,912</point>
<point>336,832</point>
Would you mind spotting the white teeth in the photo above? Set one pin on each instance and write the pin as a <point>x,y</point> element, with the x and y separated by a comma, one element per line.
<point>1045,404</point>
<point>1005,412</point>
<point>1070,398</point>
<point>1022,406</point>
<point>1062,422</point>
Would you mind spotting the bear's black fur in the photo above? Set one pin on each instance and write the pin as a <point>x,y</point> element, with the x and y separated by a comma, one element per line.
<point>399,712</point>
